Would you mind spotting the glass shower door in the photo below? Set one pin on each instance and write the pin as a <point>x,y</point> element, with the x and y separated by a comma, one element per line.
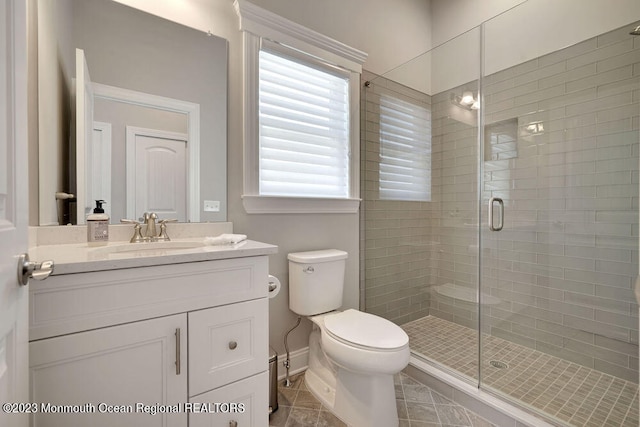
<point>559,235</point>
<point>421,261</point>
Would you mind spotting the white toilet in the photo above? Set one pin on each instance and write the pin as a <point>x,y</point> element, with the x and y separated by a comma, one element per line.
<point>352,355</point>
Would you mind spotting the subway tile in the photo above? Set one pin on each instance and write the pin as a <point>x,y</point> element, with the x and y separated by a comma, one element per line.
<point>568,52</point>
<point>617,319</point>
<point>598,278</point>
<point>599,79</point>
<point>614,36</point>
<point>617,242</point>
<point>515,91</point>
<point>615,87</point>
<point>599,328</point>
<point>620,294</point>
<point>565,353</point>
<point>620,125</point>
<point>626,268</point>
<point>618,217</point>
<point>618,61</point>
<point>602,54</point>
<point>599,104</point>
<point>618,139</point>
<point>615,370</point>
<point>617,112</point>
<point>578,286</point>
<point>516,338</point>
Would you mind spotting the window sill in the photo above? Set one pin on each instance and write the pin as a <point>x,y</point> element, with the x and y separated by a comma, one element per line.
<point>297,205</point>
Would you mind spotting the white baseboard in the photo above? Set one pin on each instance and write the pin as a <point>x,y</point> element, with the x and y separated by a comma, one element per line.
<point>298,362</point>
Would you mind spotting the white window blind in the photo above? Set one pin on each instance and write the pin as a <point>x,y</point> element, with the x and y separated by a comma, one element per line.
<point>303,128</point>
<point>405,150</point>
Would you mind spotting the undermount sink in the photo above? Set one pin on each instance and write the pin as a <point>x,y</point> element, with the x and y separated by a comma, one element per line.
<point>144,249</point>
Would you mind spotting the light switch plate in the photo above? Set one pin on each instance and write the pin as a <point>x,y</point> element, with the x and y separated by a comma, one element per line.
<point>211,206</point>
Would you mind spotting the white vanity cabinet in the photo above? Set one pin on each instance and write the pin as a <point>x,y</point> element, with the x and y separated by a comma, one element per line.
<point>107,370</point>
<point>188,337</point>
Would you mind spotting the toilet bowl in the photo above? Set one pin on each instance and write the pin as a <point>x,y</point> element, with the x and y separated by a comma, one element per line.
<point>351,369</point>
<point>364,343</point>
<point>353,356</point>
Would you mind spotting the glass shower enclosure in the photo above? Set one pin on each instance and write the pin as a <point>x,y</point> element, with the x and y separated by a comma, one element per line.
<point>513,267</point>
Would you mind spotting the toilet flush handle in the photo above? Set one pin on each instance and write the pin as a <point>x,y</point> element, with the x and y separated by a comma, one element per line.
<point>308,270</point>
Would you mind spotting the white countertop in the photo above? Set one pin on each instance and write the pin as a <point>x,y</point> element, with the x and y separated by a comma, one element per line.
<point>80,258</point>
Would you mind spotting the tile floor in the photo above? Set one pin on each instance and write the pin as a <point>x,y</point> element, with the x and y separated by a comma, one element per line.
<point>418,406</point>
<point>575,394</point>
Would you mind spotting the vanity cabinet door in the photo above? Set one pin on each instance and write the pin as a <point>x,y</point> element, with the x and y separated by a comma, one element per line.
<point>242,404</point>
<point>227,343</point>
<point>120,366</point>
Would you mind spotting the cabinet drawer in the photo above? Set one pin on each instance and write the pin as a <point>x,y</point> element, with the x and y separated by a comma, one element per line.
<point>251,397</point>
<point>227,344</point>
<point>77,302</point>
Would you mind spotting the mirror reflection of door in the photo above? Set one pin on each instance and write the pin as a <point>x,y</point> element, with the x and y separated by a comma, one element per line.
<point>156,173</point>
<point>123,108</point>
<point>84,134</point>
<point>99,174</point>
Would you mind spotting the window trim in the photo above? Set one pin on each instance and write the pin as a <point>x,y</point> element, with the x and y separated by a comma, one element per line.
<point>258,24</point>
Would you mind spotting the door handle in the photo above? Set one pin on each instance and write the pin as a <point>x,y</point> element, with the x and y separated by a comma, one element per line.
<point>492,201</point>
<point>33,270</point>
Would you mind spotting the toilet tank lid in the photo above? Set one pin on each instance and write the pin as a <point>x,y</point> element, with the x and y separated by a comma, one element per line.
<point>324,255</point>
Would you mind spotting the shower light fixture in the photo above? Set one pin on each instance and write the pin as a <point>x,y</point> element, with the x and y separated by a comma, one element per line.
<point>467,98</point>
<point>466,101</point>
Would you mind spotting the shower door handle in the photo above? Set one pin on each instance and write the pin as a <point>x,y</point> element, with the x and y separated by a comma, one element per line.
<point>492,202</point>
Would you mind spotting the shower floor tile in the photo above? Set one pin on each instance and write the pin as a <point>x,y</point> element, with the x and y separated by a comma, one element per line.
<point>577,395</point>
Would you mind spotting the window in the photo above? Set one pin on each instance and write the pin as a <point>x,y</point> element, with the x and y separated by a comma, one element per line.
<point>301,117</point>
<point>303,129</point>
<point>405,150</point>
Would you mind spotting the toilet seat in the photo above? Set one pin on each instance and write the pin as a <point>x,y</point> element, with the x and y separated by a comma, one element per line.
<point>365,330</point>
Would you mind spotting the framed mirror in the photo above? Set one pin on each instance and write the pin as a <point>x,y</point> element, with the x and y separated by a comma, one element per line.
<point>132,110</point>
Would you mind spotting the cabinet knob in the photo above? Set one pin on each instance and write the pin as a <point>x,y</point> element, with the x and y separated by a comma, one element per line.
<point>233,423</point>
<point>232,346</point>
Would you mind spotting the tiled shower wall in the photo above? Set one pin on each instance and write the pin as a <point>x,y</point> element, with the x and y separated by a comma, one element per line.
<point>396,238</point>
<point>564,266</point>
<point>456,153</point>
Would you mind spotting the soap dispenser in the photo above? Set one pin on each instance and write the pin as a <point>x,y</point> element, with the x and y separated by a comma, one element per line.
<point>98,226</point>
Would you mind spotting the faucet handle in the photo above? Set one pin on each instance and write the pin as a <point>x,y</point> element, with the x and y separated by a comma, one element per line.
<point>129,221</point>
<point>137,234</point>
<point>163,229</point>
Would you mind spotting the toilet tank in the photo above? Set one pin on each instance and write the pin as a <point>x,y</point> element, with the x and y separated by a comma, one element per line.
<point>316,281</point>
